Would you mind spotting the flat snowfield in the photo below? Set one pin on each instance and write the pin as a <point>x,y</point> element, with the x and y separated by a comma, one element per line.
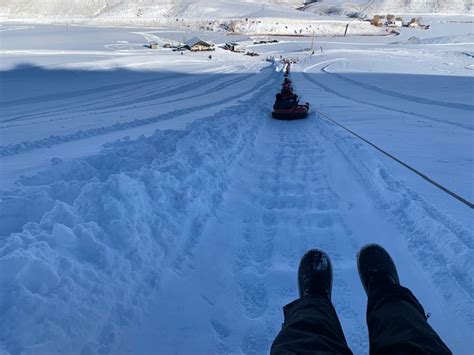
<point>149,204</point>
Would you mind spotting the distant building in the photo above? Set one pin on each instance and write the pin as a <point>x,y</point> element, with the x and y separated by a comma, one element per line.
<point>234,47</point>
<point>197,45</point>
<point>395,23</point>
<point>388,20</point>
<point>414,22</point>
<point>377,21</point>
<point>153,45</point>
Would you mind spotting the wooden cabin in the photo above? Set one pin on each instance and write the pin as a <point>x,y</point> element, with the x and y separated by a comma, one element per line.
<point>197,45</point>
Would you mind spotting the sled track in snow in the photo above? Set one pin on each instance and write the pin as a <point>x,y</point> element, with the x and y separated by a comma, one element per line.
<point>398,95</point>
<point>78,103</point>
<point>157,96</point>
<point>328,89</point>
<point>182,259</point>
<point>284,177</point>
<point>118,100</point>
<point>302,209</point>
<point>85,92</point>
<point>82,134</point>
<point>278,205</point>
<point>222,86</point>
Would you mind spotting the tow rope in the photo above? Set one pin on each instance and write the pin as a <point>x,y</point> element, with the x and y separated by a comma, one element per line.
<point>409,167</point>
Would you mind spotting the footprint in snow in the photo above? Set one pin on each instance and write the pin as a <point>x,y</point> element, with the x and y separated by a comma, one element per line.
<point>269,220</point>
<point>253,297</point>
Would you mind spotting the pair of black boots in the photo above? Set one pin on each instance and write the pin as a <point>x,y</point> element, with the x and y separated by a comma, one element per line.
<point>373,262</point>
<point>396,320</point>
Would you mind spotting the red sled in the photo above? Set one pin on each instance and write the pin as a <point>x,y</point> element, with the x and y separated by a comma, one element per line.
<point>294,113</point>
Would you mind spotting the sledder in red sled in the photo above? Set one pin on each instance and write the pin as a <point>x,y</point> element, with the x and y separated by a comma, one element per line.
<point>288,108</point>
<point>286,92</point>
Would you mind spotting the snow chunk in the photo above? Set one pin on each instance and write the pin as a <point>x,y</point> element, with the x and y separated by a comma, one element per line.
<point>38,277</point>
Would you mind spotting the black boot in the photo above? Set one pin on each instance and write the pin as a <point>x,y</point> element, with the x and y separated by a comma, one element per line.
<point>315,274</point>
<point>396,320</point>
<point>376,267</point>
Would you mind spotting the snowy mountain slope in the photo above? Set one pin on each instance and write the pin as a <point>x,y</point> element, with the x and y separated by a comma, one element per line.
<point>263,17</point>
<point>207,9</point>
<point>344,7</point>
<point>250,17</point>
<point>145,8</point>
<point>422,6</point>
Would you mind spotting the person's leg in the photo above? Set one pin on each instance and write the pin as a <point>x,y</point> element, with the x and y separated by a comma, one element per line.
<point>311,325</point>
<point>396,320</point>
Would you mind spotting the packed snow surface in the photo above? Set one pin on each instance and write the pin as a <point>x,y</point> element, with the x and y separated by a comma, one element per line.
<point>149,203</point>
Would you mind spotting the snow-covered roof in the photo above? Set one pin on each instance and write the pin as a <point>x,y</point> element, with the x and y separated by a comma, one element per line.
<point>195,40</point>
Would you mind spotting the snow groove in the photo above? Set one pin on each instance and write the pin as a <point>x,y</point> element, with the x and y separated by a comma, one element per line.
<point>328,89</point>
<point>85,92</point>
<point>120,100</point>
<point>13,149</point>
<point>117,98</point>
<point>398,95</point>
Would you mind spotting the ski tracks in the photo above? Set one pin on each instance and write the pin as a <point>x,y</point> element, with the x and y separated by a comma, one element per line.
<point>280,204</point>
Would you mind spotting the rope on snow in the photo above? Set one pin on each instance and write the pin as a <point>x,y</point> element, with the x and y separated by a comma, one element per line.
<point>409,167</point>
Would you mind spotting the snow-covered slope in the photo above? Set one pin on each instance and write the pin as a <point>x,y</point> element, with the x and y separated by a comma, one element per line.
<point>344,7</point>
<point>423,6</point>
<point>206,9</point>
<point>242,16</point>
<point>145,8</point>
<point>149,204</point>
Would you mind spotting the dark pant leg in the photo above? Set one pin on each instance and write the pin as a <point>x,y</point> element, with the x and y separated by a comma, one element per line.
<point>398,325</point>
<point>311,326</point>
